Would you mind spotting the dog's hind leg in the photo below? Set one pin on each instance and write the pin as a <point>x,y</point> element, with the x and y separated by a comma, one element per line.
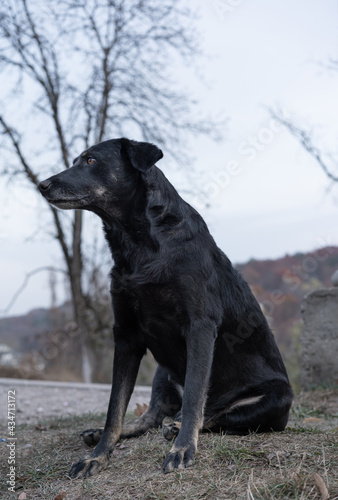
<point>166,401</point>
<point>265,411</point>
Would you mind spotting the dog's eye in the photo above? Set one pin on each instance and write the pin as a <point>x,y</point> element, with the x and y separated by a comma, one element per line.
<point>90,161</point>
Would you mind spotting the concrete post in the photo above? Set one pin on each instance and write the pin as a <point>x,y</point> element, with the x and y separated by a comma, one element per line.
<point>320,338</point>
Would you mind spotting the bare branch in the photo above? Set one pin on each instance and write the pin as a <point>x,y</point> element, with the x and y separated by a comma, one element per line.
<point>51,83</point>
<point>40,64</point>
<point>13,136</point>
<point>25,283</point>
<point>305,139</point>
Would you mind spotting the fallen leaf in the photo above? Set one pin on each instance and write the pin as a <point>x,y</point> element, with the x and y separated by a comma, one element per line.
<point>312,419</point>
<point>39,427</point>
<point>319,482</point>
<point>121,446</point>
<point>60,496</point>
<point>140,409</point>
<point>22,496</point>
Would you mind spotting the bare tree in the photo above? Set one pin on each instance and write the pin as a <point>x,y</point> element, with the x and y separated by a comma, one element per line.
<point>76,72</point>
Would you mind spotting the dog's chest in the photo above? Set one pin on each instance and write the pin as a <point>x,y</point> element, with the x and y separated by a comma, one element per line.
<point>158,306</point>
<point>162,324</point>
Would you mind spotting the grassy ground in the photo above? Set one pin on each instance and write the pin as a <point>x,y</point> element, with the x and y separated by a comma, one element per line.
<point>255,467</point>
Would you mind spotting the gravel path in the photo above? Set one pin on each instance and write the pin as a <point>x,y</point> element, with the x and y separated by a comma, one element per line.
<point>37,399</point>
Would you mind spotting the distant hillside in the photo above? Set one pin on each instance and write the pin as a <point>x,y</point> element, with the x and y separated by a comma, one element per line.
<point>22,332</point>
<point>279,286</point>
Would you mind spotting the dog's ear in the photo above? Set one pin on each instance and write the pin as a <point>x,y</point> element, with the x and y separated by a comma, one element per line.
<point>141,155</point>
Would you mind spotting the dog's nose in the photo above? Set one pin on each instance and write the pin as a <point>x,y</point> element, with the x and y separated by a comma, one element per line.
<point>44,185</point>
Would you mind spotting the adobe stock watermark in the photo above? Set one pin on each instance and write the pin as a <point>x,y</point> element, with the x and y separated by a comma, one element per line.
<point>11,440</point>
<point>293,278</point>
<point>247,150</point>
<point>225,7</point>
<point>244,330</point>
<point>55,343</point>
<point>297,275</point>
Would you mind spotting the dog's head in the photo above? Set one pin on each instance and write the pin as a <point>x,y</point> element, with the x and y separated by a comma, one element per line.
<point>105,174</point>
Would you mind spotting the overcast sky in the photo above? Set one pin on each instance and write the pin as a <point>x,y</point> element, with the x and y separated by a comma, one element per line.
<point>267,196</point>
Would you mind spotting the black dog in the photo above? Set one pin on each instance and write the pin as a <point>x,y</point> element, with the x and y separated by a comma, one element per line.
<point>175,293</point>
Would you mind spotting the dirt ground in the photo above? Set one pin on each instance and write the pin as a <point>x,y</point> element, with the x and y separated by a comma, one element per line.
<point>299,463</point>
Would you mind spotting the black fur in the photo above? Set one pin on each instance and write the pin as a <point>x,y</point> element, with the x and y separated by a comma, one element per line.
<point>175,293</point>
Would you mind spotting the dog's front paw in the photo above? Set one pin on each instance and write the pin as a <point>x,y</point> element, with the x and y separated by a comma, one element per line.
<point>179,457</point>
<point>91,436</point>
<point>88,467</point>
<point>171,430</point>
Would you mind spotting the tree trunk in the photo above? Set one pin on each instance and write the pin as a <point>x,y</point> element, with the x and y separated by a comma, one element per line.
<point>79,303</point>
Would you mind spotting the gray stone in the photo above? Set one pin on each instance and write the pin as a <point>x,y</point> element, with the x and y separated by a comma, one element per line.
<point>334,279</point>
<point>320,338</point>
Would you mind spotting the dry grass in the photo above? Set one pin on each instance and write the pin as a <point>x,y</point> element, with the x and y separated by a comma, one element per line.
<point>255,467</point>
